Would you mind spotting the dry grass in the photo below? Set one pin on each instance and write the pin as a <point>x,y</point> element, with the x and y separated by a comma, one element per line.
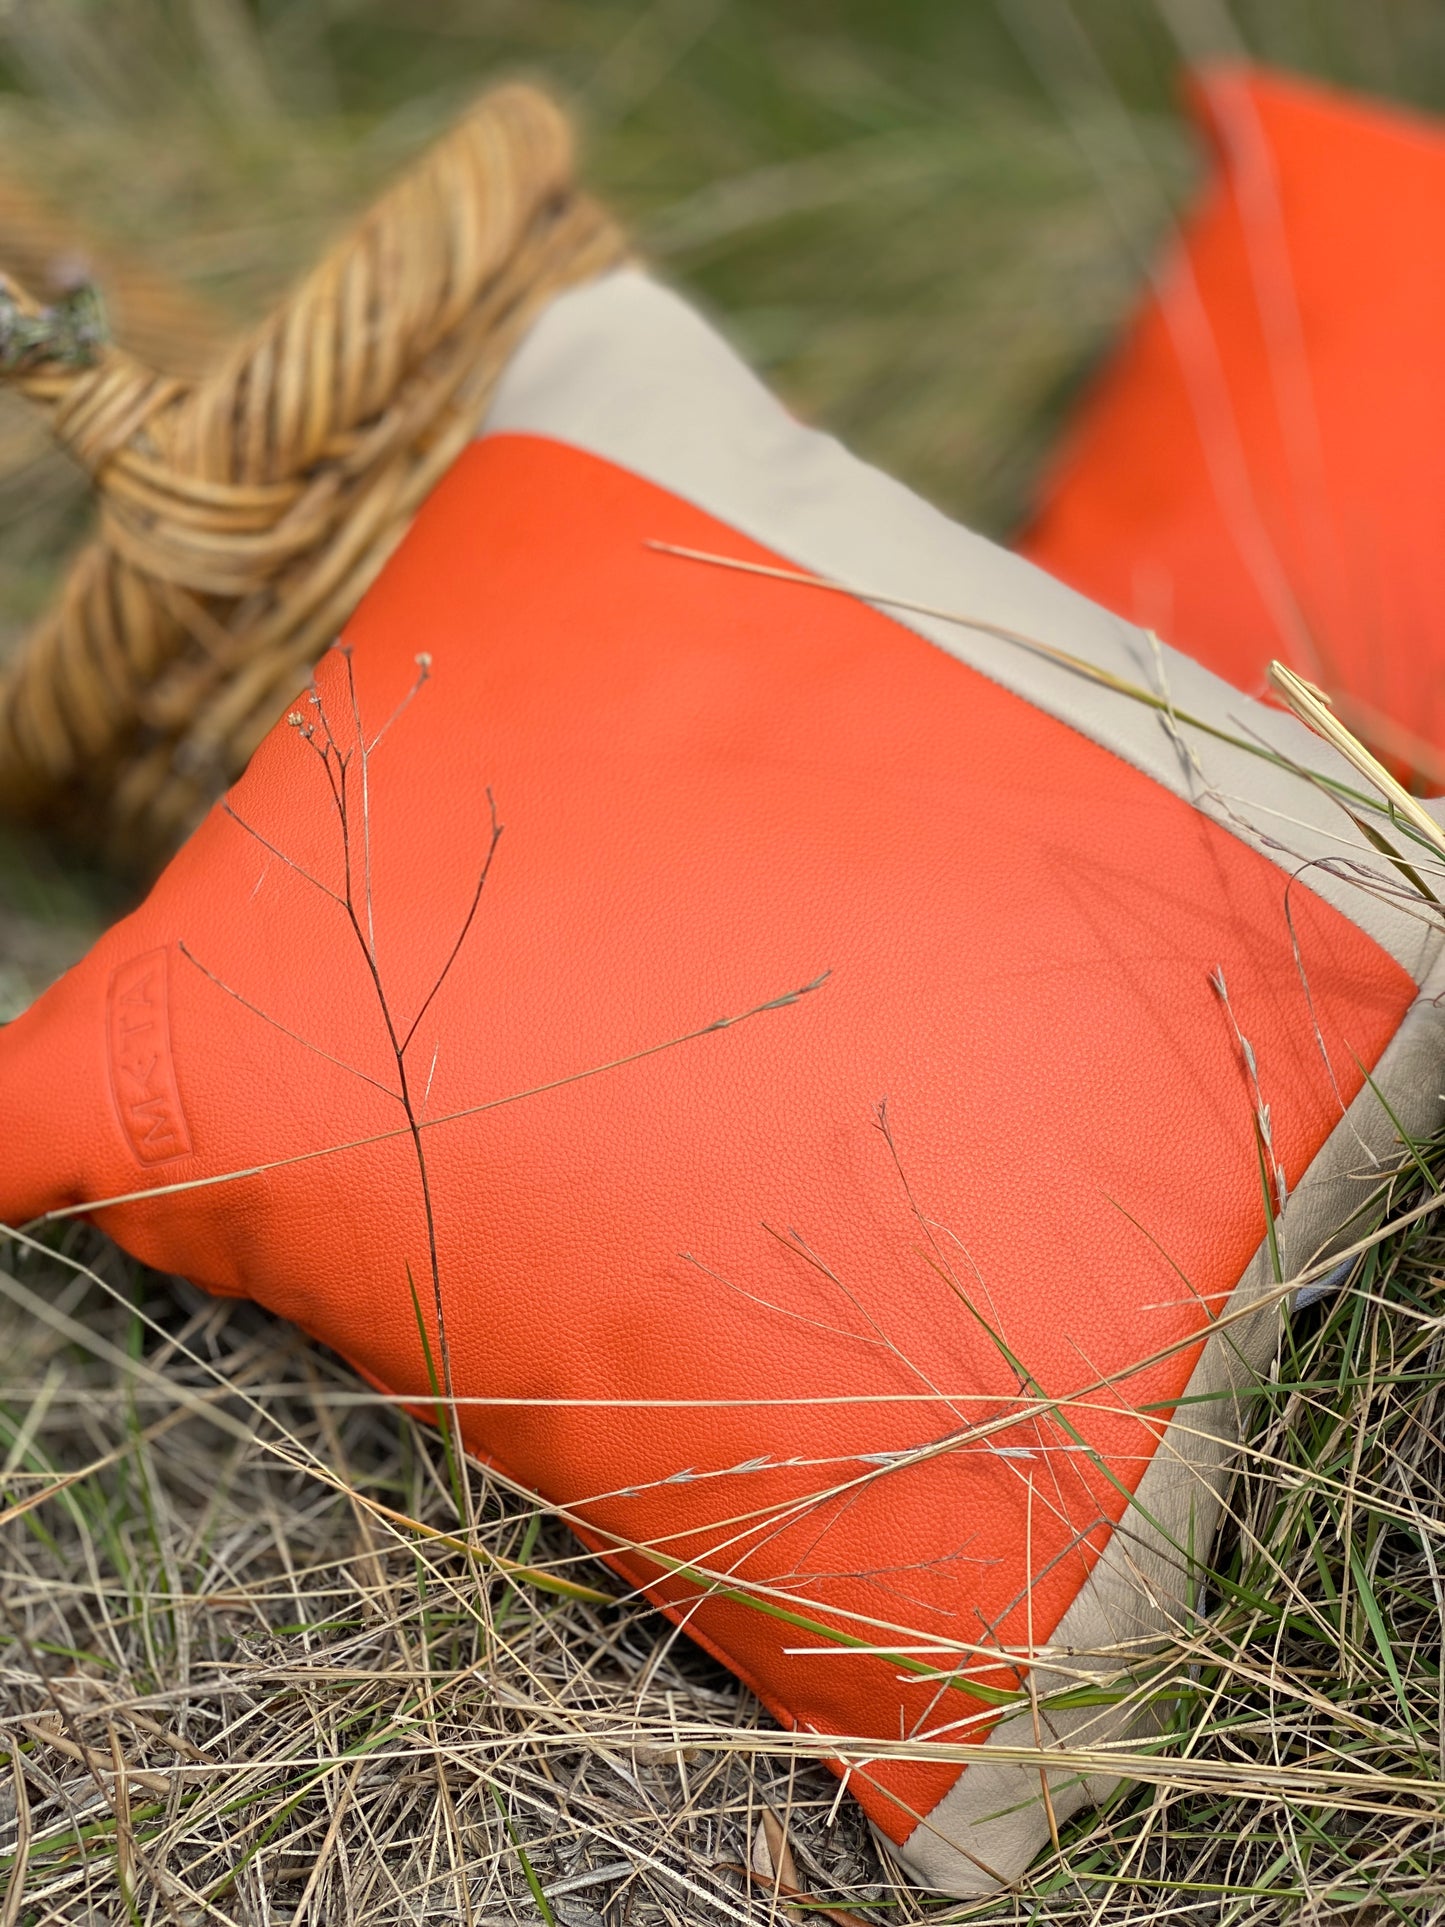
<point>248,1672</point>
<point>252,1675</point>
<point>323,1714</point>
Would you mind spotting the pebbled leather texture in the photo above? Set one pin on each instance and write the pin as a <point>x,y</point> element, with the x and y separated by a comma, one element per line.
<point>1260,471</point>
<point>715,789</point>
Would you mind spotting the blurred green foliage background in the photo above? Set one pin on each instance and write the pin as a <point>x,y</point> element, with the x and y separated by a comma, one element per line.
<point>921,219</point>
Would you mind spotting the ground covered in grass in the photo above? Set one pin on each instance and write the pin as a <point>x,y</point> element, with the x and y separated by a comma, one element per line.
<point>247,1673</point>
<point>253,1675</point>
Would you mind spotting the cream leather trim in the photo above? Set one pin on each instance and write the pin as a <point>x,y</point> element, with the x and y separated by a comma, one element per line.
<point>994,1813</point>
<point>626,370</point>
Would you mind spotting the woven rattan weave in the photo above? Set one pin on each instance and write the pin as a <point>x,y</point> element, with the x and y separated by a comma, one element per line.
<point>243,513</point>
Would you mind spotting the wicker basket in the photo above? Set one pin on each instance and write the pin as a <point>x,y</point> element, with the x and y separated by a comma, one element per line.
<point>243,513</point>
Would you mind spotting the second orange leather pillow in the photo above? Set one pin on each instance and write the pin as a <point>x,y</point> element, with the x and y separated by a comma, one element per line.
<point>1261,470</point>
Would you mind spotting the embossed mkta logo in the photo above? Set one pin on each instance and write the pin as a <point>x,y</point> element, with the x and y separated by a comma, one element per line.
<point>142,1070</point>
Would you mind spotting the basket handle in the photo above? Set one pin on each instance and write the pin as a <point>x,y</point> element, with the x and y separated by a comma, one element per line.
<point>243,514</point>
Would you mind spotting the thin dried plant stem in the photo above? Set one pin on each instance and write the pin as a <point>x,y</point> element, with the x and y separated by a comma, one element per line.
<point>1314,708</point>
<point>20,1857</point>
<point>91,1206</point>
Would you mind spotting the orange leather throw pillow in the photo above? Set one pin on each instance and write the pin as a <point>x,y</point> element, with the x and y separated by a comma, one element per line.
<point>1261,469</point>
<point>851,1331</point>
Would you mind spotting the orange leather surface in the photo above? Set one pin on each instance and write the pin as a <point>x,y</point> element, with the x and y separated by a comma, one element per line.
<point>715,788</point>
<point>1261,469</point>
